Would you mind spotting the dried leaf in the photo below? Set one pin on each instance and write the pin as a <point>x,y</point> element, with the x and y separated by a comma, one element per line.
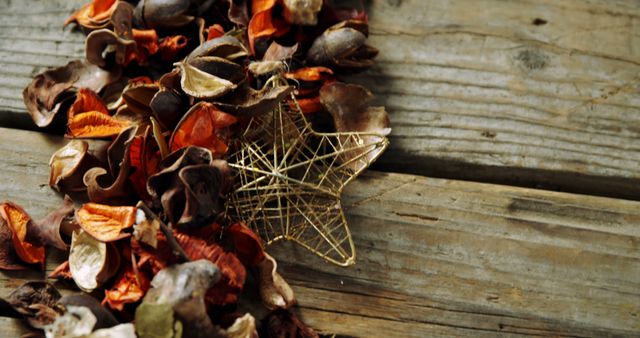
<point>47,230</point>
<point>95,124</point>
<point>9,259</point>
<point>215,31</point>
<point>204,125</point>
<point>278,52</point>
<point>248,102</point>
<point>93,15</point>
<point>226,291</point>
<point>202,189</point>
<point>310,74</point>
<point>146,45</point>
<point>128,288</point>
<point>274,290</point>
<point>264,24</point>
<point>17,219</point>
<point>171,46</point>
<point>86,100</point>
<point>105,223</point>
<point>247,245</point>
<point>45,94</point>
<point>112,188</point>
<point>37,302</point>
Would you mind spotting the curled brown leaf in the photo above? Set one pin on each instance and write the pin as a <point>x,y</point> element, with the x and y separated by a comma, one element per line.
<point>45,95</point>
<point>111,187</point>
<point>46,231</point>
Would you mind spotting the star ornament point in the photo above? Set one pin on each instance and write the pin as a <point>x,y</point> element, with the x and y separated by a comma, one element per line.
<point>289,179</point>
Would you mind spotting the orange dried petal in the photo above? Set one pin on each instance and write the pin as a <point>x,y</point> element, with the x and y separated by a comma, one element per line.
<point>308,105</point>
<point>171,46</point>
<point>86,100</point>
<point>309,74</point>
<point>17,219</point>
<point>89,14</point>
<point>95,124</point>
<point>215,31</point>
<point>127,289</point>
<point>104,222</point>
<point>200,127</point>
<point>146,45</point>
<point>263,24</point>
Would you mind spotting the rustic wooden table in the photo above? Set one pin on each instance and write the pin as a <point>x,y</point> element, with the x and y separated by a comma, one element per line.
<point>514,209</point>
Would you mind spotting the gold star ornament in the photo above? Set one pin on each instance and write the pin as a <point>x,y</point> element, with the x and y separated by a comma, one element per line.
<point>290,178</point>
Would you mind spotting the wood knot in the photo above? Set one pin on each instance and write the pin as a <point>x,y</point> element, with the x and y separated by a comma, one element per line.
<point>532,59</point>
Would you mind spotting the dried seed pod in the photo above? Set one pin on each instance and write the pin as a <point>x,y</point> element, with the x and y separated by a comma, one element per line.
<point>163,13</point>
<point>90,262</point>
<point>343,46</point>
<point>98,40</point>
<point>248,102</point>
<point>69,164</point>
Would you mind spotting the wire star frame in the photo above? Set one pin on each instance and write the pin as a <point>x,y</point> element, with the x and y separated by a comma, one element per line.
<point>290,178</point>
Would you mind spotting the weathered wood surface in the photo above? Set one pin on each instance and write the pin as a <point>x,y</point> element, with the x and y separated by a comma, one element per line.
<point>436,257</point>
<point>534,93</point>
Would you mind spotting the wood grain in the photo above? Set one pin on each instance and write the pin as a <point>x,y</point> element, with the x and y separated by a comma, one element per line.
<point>532,93</point>
<point>436,257</point>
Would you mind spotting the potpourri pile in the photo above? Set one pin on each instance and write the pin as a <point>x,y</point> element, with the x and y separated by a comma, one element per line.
<point>163,93</point>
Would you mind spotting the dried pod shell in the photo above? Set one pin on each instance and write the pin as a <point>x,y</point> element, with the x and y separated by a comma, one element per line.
<point>163,13</point>
<point>87,260</point>
<point>343,46</point>
<point>68,166</point>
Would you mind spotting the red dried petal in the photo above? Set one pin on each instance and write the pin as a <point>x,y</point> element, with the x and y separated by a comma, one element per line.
<point>204,125</point>
<point>247,246</point>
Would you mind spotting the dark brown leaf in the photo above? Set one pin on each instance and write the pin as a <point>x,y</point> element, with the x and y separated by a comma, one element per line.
<point>112,187</point>
<point>248,102</point>
<point>46,231</point>
<point>44,96</point>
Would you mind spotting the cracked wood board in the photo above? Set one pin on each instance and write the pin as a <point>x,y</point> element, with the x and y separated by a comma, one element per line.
<point>436,257</point>
<point>532,93</point>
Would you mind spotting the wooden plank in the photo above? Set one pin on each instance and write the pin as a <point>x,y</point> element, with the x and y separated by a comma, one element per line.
<point>436,257</point>
<point>531,93</point>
